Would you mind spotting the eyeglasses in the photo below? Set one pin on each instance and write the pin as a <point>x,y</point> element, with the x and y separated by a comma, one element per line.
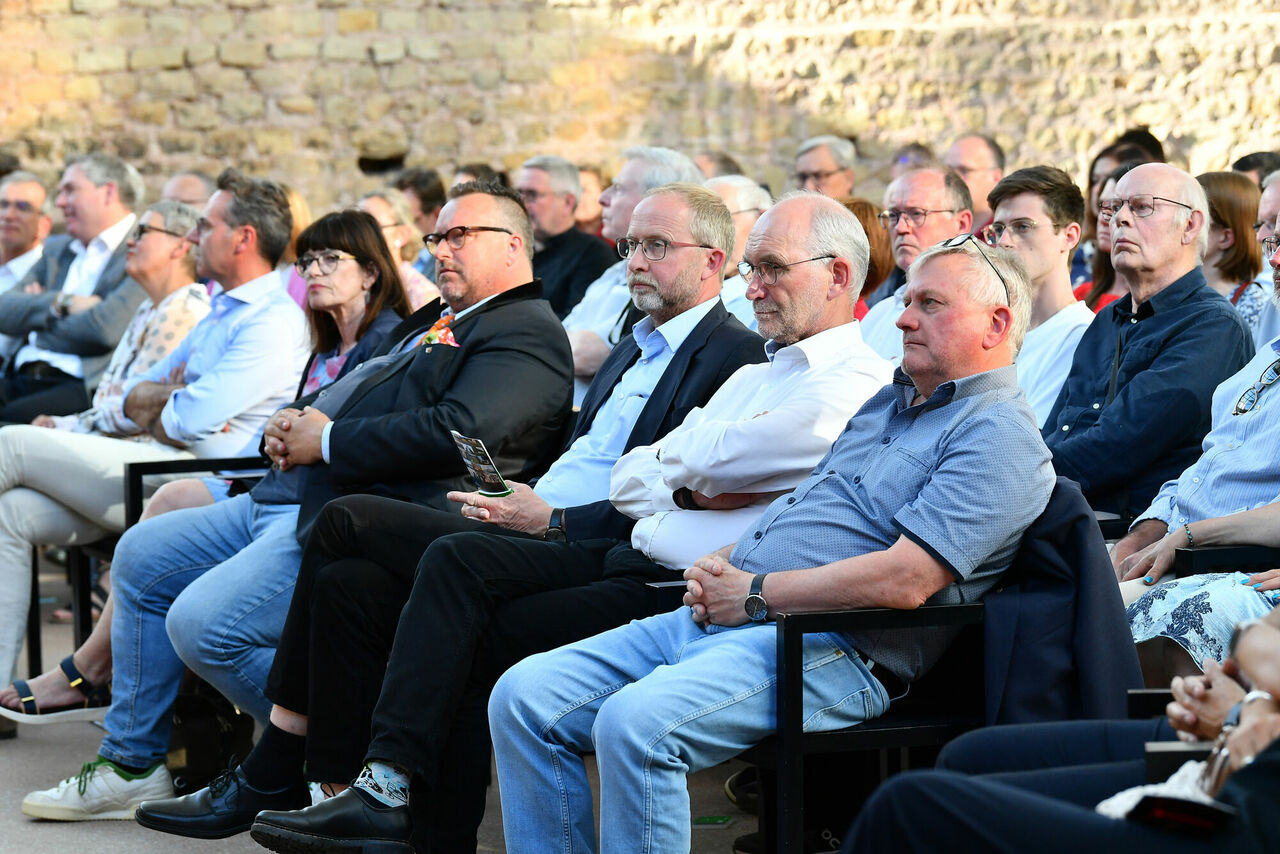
<point>768,273</point>
<point>653,248</point>
<point>530,196</point>
<point>1249,399</point>
<point>1270,245</point>
<point>327,261</point>
<point>803,178</point>
<point>1142,205</point>
<point>140,231</point>
<point>22,206</point>
<point>915,216</point>
<point>457,236</point>
<point>1019,228</point>
<point>961,240</point>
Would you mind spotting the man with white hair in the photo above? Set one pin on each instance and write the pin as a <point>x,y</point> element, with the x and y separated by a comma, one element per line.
<point>565,259</point>
<point>747,201</point>
<point>891,517</point>
<point>1136,402</point>
<point>824,164</point>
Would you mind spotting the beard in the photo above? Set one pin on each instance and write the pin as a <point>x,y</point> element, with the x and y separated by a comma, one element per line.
<point>664,303</point>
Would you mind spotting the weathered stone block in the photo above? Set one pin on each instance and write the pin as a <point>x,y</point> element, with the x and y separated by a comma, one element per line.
<point>49,7</point>
<point>122,85</point>
<point>168,27</point>
<point>245,54</point>
<point>216,23</point>
<point>307,25</point>
<point>94,6</point>
<point>170,84</point>
<point>405,75</point>
<point>16,61</point>
<point>111,27</point>
<point>101,58</point>
<point>486,78</point>
<point>198,115</point>
<point>157,56</point>
<point>219,81</point>
<point>357,20</point>
<point>299,49</point>
<point>377,106</point>
<point>54,60</point>
<point>423,47</point>
<point>343,48</point>
<point>271,141</point>
<point>226,142</point>
<point>402,22</point>
<point>82,88</point>
<point>40,91</point>
<point>201,53</point>
<point>386,51</point>
<point>240,108</point>
<point>297,105</point>
<point>130,147</point>
<point>149,112</point>
<point>178,141</point>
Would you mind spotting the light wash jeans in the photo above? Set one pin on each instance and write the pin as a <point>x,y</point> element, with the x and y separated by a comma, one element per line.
<point>208,586</point>
<point>655,699</point>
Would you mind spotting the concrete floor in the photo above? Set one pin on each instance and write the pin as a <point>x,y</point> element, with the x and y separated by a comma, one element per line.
<point>42,755</point>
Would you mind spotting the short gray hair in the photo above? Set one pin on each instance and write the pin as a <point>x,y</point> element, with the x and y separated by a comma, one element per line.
<point>178,218</point>
<point>666,166</point>
<point>396,200</point>
<point>834,230</point>
<point>988,282</point>
<point>262,204</point>
<point>1193,194</point>
<point>842,150</point>
<point>563,174</point>
<point>102,169</point>
<point>21,176</point>
<point>709,219</point>
<point>751,196</point>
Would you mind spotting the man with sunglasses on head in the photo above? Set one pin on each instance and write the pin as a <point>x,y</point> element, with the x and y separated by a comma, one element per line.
<point>1037,217</point>
<point>923,207</point>
<point>1136,403</point>
<point>209,587</point>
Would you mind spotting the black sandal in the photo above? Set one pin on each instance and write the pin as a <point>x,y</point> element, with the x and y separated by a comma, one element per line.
<point>97,698</point>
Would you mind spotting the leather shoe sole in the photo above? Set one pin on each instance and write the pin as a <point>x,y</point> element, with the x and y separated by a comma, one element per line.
<point>226,807</point>
<point>349,822</point>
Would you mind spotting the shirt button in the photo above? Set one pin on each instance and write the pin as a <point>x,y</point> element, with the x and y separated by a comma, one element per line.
<point>831,471</point>
<point>1065,428</point>
<point>1097,406</point>
<point>858,479</point>
<point>1195,480</point>
<point>791,500</point>
<point>885,440</point>
<point>759,535</point>
<point>1133,320</point>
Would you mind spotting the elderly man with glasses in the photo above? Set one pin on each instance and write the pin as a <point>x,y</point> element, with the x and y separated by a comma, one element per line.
<point>923,207</point>
<point>1136,403</point>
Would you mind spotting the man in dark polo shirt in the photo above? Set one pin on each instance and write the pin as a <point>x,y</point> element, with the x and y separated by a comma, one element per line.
<point>566,260</point>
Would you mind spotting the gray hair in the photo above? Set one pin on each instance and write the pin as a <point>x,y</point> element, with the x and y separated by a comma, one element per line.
<point>709,219</point>
<point>842,150</point>
<point>983,281</point>
<point>396,200</point>
<point>21,176</point>
<point>666,166</point>
<point>178,218</point>
<point>750,195</point>
<point>1192,193</point>
<point>102,169</point>
<point>563,174</point>
<point>262,204</point>
<point>834,230</point>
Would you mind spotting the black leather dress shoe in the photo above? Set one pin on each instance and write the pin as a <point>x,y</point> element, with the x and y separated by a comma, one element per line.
<point>352,820</point>
<point>227,806</point>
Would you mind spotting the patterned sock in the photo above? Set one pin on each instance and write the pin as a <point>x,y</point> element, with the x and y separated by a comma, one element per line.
<point>386,782</point>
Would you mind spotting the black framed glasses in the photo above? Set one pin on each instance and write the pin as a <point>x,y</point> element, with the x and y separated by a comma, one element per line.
<point>141,230</point>
<point>456,237</point>
<point>1249,399</point>
<point>327,261</point>
<point>802,178</point>
<point>22,206</point>
<point>915,216</point>
<point>531,196</point>
<point>1141,204</point>
<point>1270,245</point>
<point>654,248</point>
<point>962,239</point>
<point>768,273</point>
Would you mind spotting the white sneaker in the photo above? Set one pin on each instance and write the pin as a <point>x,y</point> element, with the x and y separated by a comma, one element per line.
<point>99,791</point>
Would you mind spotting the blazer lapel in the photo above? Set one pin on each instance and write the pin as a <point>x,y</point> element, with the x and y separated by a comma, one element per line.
<point>113,272</point>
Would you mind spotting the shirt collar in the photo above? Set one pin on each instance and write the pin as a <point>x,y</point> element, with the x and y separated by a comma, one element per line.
<point>1172,295</point>
<point>675,330</point>
<point>253,290</point>
<point>975,384</point>
<point>826,348</point>
<point>24,262</point>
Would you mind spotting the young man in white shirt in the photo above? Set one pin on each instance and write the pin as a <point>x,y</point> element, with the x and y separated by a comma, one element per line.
<point>1037,216</point>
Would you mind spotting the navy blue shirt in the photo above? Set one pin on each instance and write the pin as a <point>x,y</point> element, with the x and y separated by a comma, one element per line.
<point>1121,444</point>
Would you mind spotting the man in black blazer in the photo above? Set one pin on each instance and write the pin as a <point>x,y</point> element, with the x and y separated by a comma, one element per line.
<point>210,586</point>
<point>76,301</point>
<point>358,565</point>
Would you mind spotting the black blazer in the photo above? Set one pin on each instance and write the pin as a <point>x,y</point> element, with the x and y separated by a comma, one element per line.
<point>716,347</point>
<point>508,382</point>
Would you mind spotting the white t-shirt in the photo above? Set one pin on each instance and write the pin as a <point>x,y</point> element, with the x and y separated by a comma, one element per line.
<point>1045,358</point>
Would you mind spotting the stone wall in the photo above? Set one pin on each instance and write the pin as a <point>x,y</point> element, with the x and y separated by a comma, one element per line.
<point>299,89</point>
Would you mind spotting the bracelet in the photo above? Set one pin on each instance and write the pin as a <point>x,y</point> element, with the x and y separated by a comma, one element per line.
<point>1256,695</point>
<point>1191,541</point>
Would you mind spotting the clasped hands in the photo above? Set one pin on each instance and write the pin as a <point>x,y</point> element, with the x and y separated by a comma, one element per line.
<point>293,437</point>
<point>716,590</point>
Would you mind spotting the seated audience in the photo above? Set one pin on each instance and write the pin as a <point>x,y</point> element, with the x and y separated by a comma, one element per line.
<point>191,187</point>
<point>880,264</point>
<point>746,201</point>
<point>824,164</point>
<point>481,173</point>
<point>603,317</point>
<point>922,207</point>
<point>24,226</point>
<point>1037,216</point>
<point>587,215</point>
<point>1104,288</point>
<point>819,374</point>
<point>1257,165</point>
<point>565,259</point>
<point>68,313</point>
<point>714,164</point>
<point>209,586</point>
<point>1137,400</point>
<point>1234,259</point>
<point>426,194</point>
<point>979,161</point>
<point>913,155</point>
<point>673,694</point>
<point>1104,163</point>
<point>391,209</point>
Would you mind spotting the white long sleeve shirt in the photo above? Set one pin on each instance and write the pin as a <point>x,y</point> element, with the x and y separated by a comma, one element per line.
<point>763,431</point>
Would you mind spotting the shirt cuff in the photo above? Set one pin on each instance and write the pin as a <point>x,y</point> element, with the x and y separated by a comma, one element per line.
<point>324,441</point>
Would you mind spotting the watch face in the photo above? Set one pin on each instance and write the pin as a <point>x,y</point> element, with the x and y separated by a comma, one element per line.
<point>756,607</point>
<point>554,535</point>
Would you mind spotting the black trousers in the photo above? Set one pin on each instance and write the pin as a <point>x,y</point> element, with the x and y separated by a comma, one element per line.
<point>22,398</point>
<point>447,621</point>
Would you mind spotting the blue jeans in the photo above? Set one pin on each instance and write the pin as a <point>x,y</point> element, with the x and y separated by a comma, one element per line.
<point>208,586</point>
<point>655,699</point>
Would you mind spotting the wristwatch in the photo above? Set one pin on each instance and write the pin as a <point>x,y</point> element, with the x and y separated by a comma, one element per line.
<point>757,609</point>
<point>555,528</point>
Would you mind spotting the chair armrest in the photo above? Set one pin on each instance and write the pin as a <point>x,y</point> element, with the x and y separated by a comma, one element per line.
<point>1224,559</point>
<point>1147,702</point>
<point>135,472</point>
<point>1114,529</point>
<point>666,595</point>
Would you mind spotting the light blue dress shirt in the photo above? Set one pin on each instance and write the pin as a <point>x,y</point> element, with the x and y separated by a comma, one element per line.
<point>242,363</point>
<point>581,475</point>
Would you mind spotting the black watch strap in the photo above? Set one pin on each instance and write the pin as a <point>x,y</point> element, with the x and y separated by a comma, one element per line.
<point>555,527</point>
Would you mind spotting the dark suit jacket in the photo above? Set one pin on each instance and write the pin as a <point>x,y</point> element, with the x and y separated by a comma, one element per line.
<point>1057,643</point>
<point>508,382</point>
<point>92,335</point>
<point>716,347</point>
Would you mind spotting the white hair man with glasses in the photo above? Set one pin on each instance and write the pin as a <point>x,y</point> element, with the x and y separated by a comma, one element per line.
<point>923,207</point>
<point>1136,403</point>
<point>891,517</point>
<point>211,589</point>
<point>565,259</point>
<point>824,164</point>
<point>1037,217</point>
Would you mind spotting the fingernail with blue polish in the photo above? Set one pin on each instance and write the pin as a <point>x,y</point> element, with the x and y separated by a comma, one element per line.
<point>1256,586</point>
<point>1244,581</point>
<point>1148,580</point>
